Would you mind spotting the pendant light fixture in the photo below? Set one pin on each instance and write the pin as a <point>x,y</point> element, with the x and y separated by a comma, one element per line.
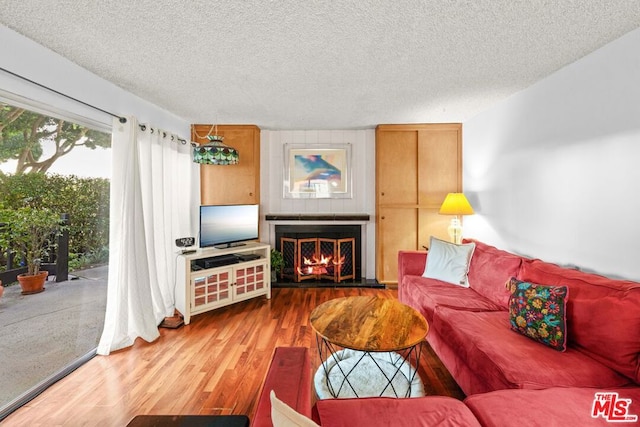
<point>215,152</point>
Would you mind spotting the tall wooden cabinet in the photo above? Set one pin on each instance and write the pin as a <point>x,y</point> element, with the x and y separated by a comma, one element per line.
<point>231,184</point>
<point>416,166</point>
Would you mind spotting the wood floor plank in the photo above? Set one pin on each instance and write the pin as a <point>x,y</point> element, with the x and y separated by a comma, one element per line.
<point>214,365</point>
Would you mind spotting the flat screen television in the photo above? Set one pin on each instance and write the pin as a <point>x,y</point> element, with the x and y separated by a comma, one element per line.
<point>224,226</point>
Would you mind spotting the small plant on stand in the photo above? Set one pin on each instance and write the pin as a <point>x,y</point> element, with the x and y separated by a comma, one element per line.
<point>28,232</point>
<point>277,264</point>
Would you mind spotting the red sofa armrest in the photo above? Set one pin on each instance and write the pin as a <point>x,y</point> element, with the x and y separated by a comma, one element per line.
<point>411,263</point>
<point>289,375</point>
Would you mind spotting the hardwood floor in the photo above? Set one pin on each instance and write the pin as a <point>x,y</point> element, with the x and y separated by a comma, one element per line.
<point>215,365</point>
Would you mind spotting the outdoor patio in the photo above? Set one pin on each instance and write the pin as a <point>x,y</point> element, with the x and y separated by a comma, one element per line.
<point>42,333</point>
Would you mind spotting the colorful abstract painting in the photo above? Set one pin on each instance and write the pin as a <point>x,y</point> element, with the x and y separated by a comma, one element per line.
<point>318,172</point>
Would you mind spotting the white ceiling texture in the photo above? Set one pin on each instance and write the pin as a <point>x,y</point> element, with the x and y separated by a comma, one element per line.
<point>322,64</point>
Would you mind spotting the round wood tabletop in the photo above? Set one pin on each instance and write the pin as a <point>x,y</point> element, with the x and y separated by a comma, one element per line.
<point>369,323</point>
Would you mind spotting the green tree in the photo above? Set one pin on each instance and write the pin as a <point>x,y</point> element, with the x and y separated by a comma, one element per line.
<point>23,134</point>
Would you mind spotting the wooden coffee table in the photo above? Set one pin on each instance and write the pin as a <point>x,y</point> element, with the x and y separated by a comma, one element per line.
<point>380,332</point>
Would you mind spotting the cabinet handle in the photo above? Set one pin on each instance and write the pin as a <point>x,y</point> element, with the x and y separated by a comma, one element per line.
<point>251,194</point>
<point>382,218</point>
<point>382,194</point>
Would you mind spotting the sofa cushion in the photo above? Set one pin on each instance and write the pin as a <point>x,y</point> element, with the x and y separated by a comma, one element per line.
<point>490,269</point>
<point>504,359</point>
<point>381,411</point>
<point>603,315</point>
<point>425,294</point>
<point>556,406</point>
<point>448,262</point>
<point>538,312</point>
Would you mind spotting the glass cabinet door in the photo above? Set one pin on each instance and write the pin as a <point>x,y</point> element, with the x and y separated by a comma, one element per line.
<point>250,278</point>
<point>211,287</point>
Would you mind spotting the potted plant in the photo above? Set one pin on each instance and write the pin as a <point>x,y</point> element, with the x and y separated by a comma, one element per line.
<point>27,232</point>
<point>277,264</point>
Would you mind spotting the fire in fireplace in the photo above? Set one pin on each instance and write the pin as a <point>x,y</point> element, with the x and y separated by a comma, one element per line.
<point>319,258</point>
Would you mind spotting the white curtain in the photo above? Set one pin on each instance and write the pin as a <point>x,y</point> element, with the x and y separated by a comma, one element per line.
<point>150,208</point>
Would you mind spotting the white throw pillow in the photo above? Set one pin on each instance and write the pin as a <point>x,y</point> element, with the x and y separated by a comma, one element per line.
<point>282,415</point>
<point>449,262</point>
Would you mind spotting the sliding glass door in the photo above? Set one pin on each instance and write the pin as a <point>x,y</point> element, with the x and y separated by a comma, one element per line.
<point>50,165</point>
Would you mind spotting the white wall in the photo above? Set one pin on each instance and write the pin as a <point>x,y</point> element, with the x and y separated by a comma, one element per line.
<point>363,179</point>
<point>553,172</point>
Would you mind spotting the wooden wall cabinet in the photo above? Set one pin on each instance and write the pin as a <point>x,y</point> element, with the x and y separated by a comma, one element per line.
<point>416,166</point>
<point>231,184</point>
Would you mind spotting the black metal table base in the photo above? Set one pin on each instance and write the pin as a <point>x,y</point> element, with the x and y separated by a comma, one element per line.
<point>405,359</point>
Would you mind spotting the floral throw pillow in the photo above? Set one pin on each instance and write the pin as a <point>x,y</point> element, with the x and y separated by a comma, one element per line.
<point>539,312</point>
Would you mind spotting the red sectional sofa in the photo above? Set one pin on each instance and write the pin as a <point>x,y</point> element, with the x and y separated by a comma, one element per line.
<point>509,379</point>
<point>470,332</point>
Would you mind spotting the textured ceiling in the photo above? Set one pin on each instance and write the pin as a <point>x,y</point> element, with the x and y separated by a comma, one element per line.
<point>322,64</point>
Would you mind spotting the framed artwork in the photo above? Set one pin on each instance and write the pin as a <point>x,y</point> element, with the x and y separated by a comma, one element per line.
<point>321,171</point>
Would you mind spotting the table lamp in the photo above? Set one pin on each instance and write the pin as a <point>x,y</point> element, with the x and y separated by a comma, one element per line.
<point>455,204</point>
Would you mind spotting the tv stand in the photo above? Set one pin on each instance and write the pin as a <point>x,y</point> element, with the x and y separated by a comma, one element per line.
<point>211,278</point>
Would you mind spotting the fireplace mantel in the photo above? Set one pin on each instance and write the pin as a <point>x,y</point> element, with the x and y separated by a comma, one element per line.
<point>316,217</point>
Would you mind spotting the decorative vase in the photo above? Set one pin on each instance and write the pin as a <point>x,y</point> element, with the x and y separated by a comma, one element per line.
<point>32,284</point>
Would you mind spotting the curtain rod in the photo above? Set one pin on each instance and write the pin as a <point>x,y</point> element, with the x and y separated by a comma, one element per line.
<point>121,119</point>
<point>143,127</point>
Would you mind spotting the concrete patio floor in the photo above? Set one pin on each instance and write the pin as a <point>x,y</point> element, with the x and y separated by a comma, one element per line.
<point>42,333</point>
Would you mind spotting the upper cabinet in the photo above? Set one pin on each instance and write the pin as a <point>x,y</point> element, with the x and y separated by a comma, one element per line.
<point>231,184</point>
<point>396,166</point>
